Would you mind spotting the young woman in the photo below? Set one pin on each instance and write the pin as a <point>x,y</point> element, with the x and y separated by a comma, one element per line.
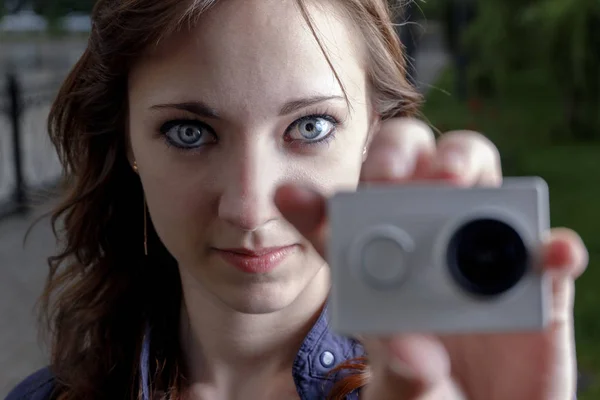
<point>200,138</point>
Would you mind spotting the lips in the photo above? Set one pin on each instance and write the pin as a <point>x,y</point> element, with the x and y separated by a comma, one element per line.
<point>255,261</point>
<point>255,253</point>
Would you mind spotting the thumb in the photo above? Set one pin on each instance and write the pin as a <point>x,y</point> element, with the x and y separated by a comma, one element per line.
<point>409,368</point>
<point>306,210</point>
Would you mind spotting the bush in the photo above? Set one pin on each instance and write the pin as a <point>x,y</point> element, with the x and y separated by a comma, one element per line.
<point>432,9</point>
<point>568,32</point>
<point>558,36</point>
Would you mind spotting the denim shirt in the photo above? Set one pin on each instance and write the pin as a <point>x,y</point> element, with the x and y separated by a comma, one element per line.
<point>320,352</point>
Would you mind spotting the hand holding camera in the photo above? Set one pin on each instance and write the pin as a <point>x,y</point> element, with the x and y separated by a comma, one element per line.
<point>436,325</point>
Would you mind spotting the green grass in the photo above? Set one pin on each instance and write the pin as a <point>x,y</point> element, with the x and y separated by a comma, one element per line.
<point>526,124</point>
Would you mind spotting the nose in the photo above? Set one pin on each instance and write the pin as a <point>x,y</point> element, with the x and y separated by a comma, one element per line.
<point>250,179</point>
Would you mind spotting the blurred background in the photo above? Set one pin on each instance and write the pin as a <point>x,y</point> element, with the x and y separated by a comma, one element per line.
<point>524,72</point>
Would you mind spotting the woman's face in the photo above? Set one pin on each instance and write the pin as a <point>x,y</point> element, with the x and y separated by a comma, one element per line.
<point>220,117</point>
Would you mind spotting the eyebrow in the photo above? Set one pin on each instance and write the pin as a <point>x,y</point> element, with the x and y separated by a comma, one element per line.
<point>203,110</point>
<point>299,104</point>
<point>194,107</point>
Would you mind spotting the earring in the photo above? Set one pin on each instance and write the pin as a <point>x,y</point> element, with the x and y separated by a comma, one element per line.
<point>145,229</point>
<point>364,154</point>
<point>135,168</point>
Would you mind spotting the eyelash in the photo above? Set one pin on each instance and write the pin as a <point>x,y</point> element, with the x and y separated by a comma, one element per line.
<point>324,114</point>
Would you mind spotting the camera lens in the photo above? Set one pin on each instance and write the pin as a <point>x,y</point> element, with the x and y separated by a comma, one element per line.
<point>487,257</point>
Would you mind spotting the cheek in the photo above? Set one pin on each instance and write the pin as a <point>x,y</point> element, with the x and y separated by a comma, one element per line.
<point>340,166</point>
<point>177,197</point>
<point>337,172</point>
<point>180,204</point>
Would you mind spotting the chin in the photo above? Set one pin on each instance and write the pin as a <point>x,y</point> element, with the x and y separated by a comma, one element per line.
<point>302,280</point>
<point>276,293</point>
<point>262,298</point>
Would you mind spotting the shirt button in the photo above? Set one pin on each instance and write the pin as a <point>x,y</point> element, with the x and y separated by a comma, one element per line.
<point>327,359</point>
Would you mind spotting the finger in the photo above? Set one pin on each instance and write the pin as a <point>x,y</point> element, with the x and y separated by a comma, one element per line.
<point>305,209</point>
<point>466,158</point>
<point>565,253</point>
<point>400,147</point>
<point>407,367</point>
<point>565,257</point>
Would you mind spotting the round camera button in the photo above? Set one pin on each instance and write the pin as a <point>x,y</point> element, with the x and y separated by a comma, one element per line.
<point>383,261</point>
<point>383,256</point>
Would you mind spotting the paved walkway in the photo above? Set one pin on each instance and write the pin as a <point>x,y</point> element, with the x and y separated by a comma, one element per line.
<point>23,268</point>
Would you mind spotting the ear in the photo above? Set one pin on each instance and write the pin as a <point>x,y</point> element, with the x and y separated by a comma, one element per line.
<point>129,149</point>
<point>131,161</point>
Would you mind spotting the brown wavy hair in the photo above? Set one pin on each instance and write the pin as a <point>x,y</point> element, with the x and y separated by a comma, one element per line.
<point>102,291</point>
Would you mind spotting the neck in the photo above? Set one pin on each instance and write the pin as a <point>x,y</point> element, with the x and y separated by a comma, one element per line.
<point>224,344</point>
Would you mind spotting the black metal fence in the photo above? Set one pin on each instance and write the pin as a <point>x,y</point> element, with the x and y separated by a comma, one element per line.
<point>28,163</point>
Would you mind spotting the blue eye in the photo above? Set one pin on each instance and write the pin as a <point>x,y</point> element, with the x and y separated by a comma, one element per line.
<point>188,134</point>
<point>312,128</point>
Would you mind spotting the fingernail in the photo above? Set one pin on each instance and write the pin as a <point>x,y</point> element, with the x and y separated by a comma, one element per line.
<point>452,161</point>
<point>388,165</point>
<point>403,166</point>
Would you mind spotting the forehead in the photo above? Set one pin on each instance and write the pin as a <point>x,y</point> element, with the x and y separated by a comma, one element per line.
<point>246,51</point>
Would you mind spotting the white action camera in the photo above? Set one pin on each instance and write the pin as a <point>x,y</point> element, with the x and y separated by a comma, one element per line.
<point>439,259</point>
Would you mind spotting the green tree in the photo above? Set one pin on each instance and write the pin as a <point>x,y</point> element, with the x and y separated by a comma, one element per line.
<point>557,39</point>
<point>568,32</point>
<point>499,42</point>
<point>53,9</point>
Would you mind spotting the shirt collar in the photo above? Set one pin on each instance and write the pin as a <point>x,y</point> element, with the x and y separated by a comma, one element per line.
<point>321,351</point>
